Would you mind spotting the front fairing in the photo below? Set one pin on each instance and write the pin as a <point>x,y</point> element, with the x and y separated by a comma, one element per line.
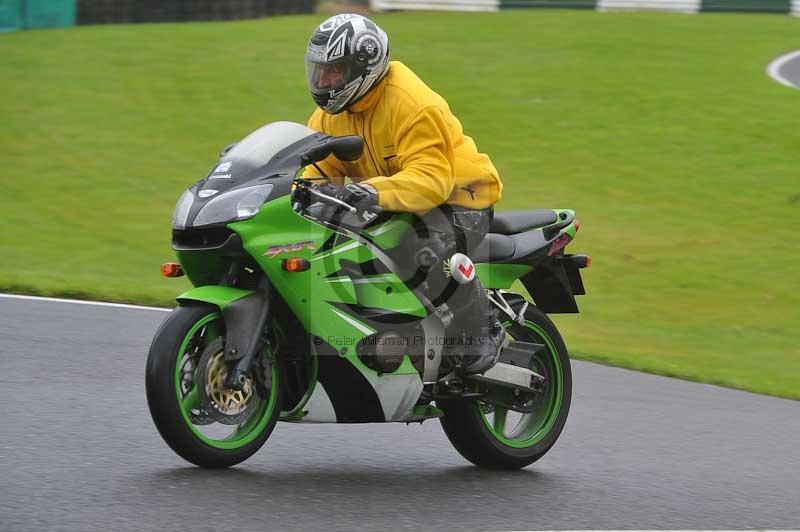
<point>335,307</point>
<point>271,155</point>
<point>335,273</point>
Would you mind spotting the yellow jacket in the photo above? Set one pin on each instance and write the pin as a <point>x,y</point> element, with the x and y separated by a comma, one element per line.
<point>416,155</point>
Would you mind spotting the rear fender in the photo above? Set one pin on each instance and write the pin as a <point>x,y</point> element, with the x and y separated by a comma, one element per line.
<point>554,284</point>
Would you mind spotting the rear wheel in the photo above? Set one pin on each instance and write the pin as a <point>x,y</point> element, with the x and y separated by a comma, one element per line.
<point>203,421</point>
<point>498,438</point>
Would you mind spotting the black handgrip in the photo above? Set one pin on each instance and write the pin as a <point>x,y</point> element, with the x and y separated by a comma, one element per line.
<point>315,153</point>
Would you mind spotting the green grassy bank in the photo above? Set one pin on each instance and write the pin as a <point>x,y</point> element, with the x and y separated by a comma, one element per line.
<point>664,133</point>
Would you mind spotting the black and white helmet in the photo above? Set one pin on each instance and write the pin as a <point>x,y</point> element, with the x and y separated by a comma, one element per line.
<point>346,56</point>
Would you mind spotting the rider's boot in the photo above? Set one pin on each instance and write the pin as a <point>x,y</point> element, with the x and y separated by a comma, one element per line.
<point>476,336</point>
<point>478,358</point>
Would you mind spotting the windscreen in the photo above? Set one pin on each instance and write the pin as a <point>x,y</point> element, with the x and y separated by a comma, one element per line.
<point>259,147</point>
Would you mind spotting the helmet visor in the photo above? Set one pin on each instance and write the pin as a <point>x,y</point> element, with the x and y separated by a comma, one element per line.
<point>323,77</point>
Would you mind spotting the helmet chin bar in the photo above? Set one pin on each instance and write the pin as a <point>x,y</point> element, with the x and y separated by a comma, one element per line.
<point>345,97</point>
<point>362,86</point>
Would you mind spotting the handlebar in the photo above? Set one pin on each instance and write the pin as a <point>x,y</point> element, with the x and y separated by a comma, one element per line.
<point>305,194</point>
<point>330,200</point>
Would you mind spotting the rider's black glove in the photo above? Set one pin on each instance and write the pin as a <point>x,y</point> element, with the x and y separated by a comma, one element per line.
<point>360,195</point>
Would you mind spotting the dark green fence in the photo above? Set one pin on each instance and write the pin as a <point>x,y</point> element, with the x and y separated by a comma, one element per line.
<point>766,6</point>
<point>566,4</point>
<point>25,14</point>
<point>10,15</point>
<point>49,13</point>
<point>126,11</point>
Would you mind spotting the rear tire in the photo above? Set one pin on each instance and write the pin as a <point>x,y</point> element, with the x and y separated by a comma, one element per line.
<point>493,446</point>
<point>193,327</point>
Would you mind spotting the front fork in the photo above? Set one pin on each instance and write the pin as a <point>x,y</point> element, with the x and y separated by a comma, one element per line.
<point>245,314</point>
<point>245,324</point>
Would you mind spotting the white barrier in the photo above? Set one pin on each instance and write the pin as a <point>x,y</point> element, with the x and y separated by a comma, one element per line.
<point>684,6</point>
<point>439,5</point>
<point>681,6</point>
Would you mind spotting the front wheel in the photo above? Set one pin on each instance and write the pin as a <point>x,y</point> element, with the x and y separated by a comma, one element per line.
<point>498,438</point>
<point>203,421</point>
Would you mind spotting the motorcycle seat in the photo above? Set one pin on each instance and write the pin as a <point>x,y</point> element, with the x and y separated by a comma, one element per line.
<point>496,247</point>
<point>513,222</point>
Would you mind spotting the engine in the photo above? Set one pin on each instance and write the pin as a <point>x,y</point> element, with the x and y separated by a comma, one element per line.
<point>384,351</point>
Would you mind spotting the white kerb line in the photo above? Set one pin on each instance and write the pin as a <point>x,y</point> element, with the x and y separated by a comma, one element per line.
<point>82,302</point>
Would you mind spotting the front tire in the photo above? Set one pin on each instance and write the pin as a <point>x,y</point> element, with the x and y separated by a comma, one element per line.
<point>482,433</point>
<point>175,400</point>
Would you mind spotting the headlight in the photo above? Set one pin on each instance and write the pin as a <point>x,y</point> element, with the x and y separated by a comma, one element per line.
<point>182,210</point>
<point>232,206</point>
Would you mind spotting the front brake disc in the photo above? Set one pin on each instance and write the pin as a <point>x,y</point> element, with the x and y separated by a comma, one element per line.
<point>223,404</point>
<point>198,416</point>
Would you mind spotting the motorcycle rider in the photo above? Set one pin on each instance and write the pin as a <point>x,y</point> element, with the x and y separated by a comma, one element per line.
<point>416,159</point>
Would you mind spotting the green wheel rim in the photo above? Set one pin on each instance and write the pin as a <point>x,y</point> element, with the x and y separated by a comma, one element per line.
<point>247,431</point>
<point>532,428</point>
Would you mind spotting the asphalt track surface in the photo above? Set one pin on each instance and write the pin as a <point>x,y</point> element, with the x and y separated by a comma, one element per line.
<point>791,71</point>
<point>786,69</point>
<point>78,452</point>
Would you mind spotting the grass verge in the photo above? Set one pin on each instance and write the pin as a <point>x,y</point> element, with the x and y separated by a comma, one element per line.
<point>662,131</point>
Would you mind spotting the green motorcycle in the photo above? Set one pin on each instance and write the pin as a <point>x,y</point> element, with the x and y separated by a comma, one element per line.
<point>297,315</point>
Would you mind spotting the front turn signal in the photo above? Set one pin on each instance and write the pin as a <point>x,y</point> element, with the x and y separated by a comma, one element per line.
<point>295,264</point>
<point>171,269</point>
